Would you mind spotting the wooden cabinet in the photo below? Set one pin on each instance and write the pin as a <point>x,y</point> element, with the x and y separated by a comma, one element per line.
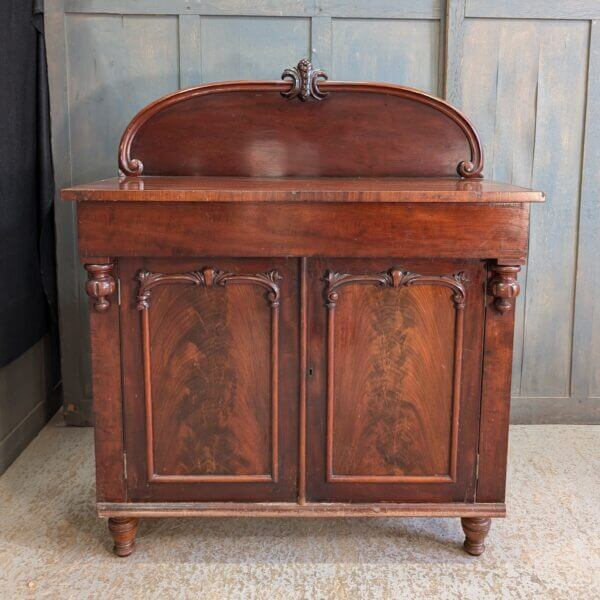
<point>303,311</point>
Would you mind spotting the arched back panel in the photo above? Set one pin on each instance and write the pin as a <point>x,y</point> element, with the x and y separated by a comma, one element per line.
<point>313,129</point>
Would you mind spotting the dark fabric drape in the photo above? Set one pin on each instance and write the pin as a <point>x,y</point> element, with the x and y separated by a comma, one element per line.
<point>27,268</point>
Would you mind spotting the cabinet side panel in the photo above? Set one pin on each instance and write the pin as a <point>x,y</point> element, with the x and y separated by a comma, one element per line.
<point>107,397</point>
<point>495,402</point>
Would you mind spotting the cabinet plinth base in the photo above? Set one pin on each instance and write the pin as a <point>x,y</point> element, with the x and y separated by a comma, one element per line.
<point>291,509</point>
<point>123,517</point>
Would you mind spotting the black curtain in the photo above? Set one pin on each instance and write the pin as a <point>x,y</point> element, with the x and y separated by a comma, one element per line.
<point>27,266</point>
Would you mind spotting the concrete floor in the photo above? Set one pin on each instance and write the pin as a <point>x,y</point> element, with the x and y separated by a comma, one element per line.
<point>53,546</point>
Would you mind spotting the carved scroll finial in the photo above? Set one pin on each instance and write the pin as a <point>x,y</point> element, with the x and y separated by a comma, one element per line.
<point>304,81</point>
<point>504,287</point>
<point>100,284</point>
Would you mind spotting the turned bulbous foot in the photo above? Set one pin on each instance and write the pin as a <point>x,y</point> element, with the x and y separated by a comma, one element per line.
<point>475,528</point>
<point>123,530</point>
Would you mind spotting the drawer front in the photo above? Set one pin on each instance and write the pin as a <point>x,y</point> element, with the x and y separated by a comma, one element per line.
<point>210,350</point>
<point>394,377</point>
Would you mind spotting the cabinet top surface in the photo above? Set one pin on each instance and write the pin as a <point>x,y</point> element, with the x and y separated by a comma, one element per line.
<point>302,189</point>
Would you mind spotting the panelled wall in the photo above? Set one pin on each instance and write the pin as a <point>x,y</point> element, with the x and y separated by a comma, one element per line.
<point>527,73</point>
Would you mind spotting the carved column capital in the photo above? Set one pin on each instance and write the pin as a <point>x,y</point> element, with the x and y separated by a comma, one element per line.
<point>100,284</point>
<point>504,287</point>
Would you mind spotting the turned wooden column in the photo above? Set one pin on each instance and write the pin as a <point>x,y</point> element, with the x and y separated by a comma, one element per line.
<point>504,287</point>
<point>475,528</point>
<point>123,530</point>
<point>100,284</point>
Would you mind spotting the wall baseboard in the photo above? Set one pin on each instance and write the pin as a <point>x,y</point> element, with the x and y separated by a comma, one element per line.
<point>26,400</point>
<point>566,411</point>
<point>19,438</point>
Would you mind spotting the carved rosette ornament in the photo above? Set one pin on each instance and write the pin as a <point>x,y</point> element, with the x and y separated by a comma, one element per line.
<point>207,277</point>
<point>100,284</point>
<point>396,278</point>
<point>504,287</point>
<point>304,80</point>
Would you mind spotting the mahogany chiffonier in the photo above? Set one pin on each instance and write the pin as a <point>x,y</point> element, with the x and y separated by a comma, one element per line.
<point>301,305</point>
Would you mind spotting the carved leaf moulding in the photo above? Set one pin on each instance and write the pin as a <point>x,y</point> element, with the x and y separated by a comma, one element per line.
<point>206,277</point>
<point>305,84</point>
<point>397,278</point>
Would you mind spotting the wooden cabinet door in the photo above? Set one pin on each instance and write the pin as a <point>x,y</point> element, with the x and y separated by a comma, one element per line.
<point>210,349</point>
<point>394,377</point>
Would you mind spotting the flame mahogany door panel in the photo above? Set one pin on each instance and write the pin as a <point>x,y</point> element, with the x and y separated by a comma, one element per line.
<point>210,352</point>
<point>394,378</point>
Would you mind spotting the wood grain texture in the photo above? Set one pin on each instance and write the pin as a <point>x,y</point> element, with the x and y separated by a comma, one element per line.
<point>392,370</point>
<point>495,400</point>
<point>102,63</point>
<point>585,375</point>
<point>190,50</point>
<point>212,48</point>
<point>532,74</point>
<point>275,43</point>
<point>214,373</point>
<point>321,42</point>
<point>381,425</point>
<point>557,164</point>
<point>407,51</point>
<point>418,9</point>
<point>304,374</point>
<point>212,427</point>
<point>300,189</point>
<point>294,229</point>
<point>454,20</point>
<point>533,9</point>
<point>310,510</point>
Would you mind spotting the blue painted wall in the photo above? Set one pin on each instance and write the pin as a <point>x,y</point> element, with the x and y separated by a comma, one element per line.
<point>527,73</point>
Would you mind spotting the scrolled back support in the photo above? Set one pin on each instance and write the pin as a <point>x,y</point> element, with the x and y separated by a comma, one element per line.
<point>384,130</point>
